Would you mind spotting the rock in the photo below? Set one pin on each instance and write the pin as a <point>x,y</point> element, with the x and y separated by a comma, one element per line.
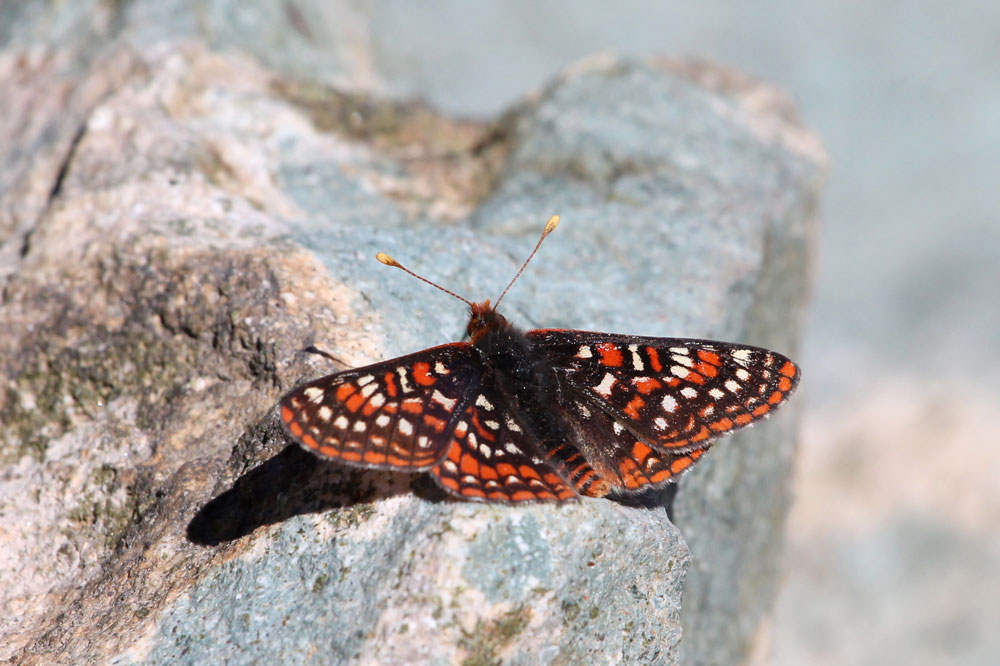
<point>179,225</point>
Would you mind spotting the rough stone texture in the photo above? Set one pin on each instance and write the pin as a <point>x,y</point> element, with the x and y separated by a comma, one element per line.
<point>156,293</point>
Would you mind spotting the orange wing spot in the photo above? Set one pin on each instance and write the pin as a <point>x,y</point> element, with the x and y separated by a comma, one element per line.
<point>406,462</point>
<point>374,457</point>
<point>497,495</point>
<point>610,354</point>
<point>743,419</point>
<point>763,409</point>
<point>368,409</point>
<point>448,481</point>
<point>344,392</point>
<point>662,475</point>
<point>681,464</point>
<point>673,381</point>
<point>435,422</point>
<point>528,472</point>
<point>628,468</point>
<point>455,452</point>
<point>286,414</point>
<point>567,494</point>
<point>552,480</point>
<point>776,397</point>
<point>309,441</point>
<point>788,369</point>
<point>654,359</point>
<point>522,496</point>
<point>706,369</point>
<point>295,428</point>
<point>598,488</point>
<point>329,451</point>
<point>488,473</point>
<point>545,495</point>
<point>709,357</point>
<point>469,465</point>
<point>473,492</point>
<point>695,378</point>
<point>390,384</point>
<point>483,432</point>
<point>506,469</point>
<point>647,385</point>
<point>721,425</point>
<point>413,406</point>
<point>582,481</point>
<point>697,453</point>
<point>421,374</point>
<point>633,407</point>
<point>354,402</point>
<point>351,456</point>
<point>640,451</point>
<point>785,384</point>
<point>702,435</point>
<point>390,408</point>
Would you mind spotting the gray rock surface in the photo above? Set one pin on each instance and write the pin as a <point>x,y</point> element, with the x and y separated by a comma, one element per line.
<point>177,224</point>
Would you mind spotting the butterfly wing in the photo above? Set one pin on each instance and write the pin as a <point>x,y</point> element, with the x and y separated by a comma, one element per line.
<point>397,414</point>
<point>661,401</point>
<point>493,457</point>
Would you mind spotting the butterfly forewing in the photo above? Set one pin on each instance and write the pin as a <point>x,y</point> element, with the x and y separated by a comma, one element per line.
<point>397,414</point>
<point>672,394</point>
<point>492,456</point>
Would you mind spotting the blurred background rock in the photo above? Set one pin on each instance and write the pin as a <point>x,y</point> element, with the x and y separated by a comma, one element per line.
<point>894,546</point>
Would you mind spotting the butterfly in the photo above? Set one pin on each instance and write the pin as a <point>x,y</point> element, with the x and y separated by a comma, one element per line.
<point>548,414</point>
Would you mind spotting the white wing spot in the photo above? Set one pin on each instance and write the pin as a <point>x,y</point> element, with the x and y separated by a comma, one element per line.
<point>382,421</point>
<point>512,448</point>
<point>511,424</point>
<point>404,383</point>
<point>741,355</point>
<point>325,414</point>
<point>481,401</point>
<point>485,450</point>
<point>441,369</point>
<point>441,399</point>
<point>708,411</point>
<point>470,480</point>
<point>368,390</point>
<point>405,427</point>
<point>511,480</point>
<point>461,428</point>
<point>660,423</point>
<point>472,439</point>
<point>742,374</point>
<point>679,350</point>
<point>314,394</point>
<point>492,425</point>
<point>733,386</point>
<point>584,352</point>
<point>342,422</point>
<point>450,466</point>
<point>604,388</point>
<point>637,363</point>
<point>716,393</point>
<point>689,392</point>
<point>669,403</point>
<point>359,426</point>
<point>423,442</point>
<point>617,428</point>
<point>584,412</point>
<point>377,400</point>
<point>367,379</point>
<point>683,360</point>
<point>679,371</point>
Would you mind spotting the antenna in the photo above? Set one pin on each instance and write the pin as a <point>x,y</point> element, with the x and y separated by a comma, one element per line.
<point>550,226</point>
<point>389,261</point>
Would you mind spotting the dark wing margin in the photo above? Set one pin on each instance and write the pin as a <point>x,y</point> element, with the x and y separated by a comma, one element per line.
<point>397,414</point>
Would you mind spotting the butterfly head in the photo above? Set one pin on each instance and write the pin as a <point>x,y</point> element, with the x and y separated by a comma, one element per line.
<point>484,319</point>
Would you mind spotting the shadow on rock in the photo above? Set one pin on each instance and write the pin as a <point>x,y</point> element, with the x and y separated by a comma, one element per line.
<point>292,483</point>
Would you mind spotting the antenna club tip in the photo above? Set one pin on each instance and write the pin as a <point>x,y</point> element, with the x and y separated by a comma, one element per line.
<point>551,225</point>
<point>386,259</point>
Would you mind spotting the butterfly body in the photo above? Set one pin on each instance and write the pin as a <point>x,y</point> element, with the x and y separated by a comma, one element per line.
<point>549,414</point>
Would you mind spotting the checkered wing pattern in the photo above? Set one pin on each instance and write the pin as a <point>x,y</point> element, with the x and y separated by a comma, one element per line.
<point>644,409</point>
<point>398,414</point>
<point>492,457</point>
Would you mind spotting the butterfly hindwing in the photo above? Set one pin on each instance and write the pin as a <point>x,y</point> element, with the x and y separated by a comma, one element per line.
<point>397,414</point>
<point>673,394</point>
<point>492,456</point>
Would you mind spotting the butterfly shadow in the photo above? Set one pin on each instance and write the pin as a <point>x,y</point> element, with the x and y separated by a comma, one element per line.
<point>294,482</point>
